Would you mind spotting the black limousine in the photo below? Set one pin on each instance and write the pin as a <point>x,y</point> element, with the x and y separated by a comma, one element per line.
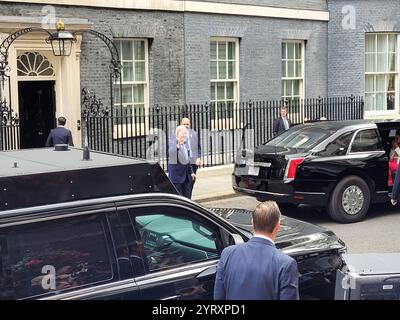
<point>114,228</point>
<point>340,165</point>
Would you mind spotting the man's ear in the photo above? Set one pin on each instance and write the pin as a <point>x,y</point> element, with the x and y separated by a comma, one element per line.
<point>277,227</point>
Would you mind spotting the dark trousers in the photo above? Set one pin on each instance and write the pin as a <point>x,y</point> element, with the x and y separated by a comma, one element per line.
<point>185,188</point>
<point>396,186</point>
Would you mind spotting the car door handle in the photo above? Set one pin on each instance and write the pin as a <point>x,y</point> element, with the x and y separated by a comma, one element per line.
<point>207,272</point>
<point>177,297</point>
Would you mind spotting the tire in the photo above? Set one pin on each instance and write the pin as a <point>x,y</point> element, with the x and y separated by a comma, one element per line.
<point>350,200</point>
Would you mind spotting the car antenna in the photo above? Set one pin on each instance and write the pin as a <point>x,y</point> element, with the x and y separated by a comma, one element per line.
<point>86,151</point>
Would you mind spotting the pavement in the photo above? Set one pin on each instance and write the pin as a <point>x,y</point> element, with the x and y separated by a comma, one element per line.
<point>214,183</point>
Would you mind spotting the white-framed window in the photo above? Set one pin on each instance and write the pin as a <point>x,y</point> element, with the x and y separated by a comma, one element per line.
<point>224,74</point>
<point>292,69</point>
<point>133,54</point>
<point>381,72</point>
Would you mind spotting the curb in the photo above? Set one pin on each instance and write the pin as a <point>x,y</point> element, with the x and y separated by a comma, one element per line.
<point>216,197</point>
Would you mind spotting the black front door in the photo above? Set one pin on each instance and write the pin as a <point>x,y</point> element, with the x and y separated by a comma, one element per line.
<point>36,111</point>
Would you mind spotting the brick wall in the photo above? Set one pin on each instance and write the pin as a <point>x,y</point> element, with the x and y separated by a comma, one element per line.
<point>163,29</point>
<point>346,45</point>
<point>301,4</point>
<point>260,54</point>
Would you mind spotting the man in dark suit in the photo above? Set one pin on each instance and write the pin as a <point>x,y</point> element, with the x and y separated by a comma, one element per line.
<point>282,123</point>
<point>193,141</point>
<point>59,135</point>
<point>180,172</point>
<point>256,270</point>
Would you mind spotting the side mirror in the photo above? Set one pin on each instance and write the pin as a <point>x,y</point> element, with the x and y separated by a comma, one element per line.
<point>203,231</point>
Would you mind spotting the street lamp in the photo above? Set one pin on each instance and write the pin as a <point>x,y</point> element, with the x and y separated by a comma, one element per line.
<point>61,40</point>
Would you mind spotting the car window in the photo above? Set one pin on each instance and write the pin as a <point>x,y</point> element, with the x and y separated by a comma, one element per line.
<point>174,237</point>
<point>339,146</point>
<point>53,256</point>
<point>303,138</point>
<point>366,140</point>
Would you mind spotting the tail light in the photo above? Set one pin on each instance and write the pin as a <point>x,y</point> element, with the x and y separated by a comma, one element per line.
<point>290,173</point>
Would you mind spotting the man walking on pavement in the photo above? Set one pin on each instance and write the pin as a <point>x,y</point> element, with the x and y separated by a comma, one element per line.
<point>180,171</point>
<point>282,123</point>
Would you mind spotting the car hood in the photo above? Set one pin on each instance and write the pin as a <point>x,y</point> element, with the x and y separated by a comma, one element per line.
<point>294,237</point>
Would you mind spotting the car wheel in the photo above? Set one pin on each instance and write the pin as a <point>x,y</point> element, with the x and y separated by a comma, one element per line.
<point>350,200</point>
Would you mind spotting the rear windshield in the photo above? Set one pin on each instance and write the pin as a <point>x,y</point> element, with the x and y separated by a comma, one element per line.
<point>303,138</point>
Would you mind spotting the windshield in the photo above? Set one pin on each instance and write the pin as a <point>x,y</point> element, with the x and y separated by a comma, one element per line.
<point>303,138</point>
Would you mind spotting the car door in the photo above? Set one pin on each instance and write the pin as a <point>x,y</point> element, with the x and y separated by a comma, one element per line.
<point>64,254</point>
<point>366,152</point>
<point>180,249</point>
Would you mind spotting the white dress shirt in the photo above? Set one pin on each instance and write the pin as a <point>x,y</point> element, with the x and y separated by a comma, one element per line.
<point>285,122</point>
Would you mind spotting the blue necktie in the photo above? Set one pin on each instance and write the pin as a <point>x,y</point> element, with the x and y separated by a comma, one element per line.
<point>187,145</point>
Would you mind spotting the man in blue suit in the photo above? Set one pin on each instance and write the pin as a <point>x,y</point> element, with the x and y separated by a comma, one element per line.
<point>59,135</point>
<point>180,172</point>
<point>282,123</point>
<point>193,141</point>
<point>256,270</point>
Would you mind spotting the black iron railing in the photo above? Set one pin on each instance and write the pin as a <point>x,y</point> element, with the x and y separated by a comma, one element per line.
<point>222,129</point>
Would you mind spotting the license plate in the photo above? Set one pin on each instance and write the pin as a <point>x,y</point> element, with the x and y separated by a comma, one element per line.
<point>253,171</point>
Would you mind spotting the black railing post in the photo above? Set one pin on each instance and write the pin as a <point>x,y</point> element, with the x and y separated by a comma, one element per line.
<point>207,140</point>
<point>319,107</point>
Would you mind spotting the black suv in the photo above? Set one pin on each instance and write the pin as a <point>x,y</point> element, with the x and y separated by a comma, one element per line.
<point>340,165</point>
<point>105,229</point>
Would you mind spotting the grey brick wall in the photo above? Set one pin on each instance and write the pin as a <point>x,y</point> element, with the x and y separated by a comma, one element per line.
<point>164,29</point>
<point>260,54</point>
<point>346,46</point>
<point>179,49</point>
<point>301,4</point>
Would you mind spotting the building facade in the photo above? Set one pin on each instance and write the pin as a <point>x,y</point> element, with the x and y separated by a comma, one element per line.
<point>180,51</point>
<point>363,59</point>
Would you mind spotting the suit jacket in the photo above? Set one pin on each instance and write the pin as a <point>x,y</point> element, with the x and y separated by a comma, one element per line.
<point>279,126</point>
<point>256,270</point>
<point>178,163</point>
<point>194,145</point>
<point>59,135</point>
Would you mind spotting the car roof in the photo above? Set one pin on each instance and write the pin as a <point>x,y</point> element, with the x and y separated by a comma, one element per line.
<point>46,160</point>
<point>32,177</point>
<point>335,125</point>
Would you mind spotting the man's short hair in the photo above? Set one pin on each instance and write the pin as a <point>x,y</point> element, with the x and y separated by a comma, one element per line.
<point>62,121</point>
<point>266,216</point>
<point>179,129</point>
<point>185,119</point>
